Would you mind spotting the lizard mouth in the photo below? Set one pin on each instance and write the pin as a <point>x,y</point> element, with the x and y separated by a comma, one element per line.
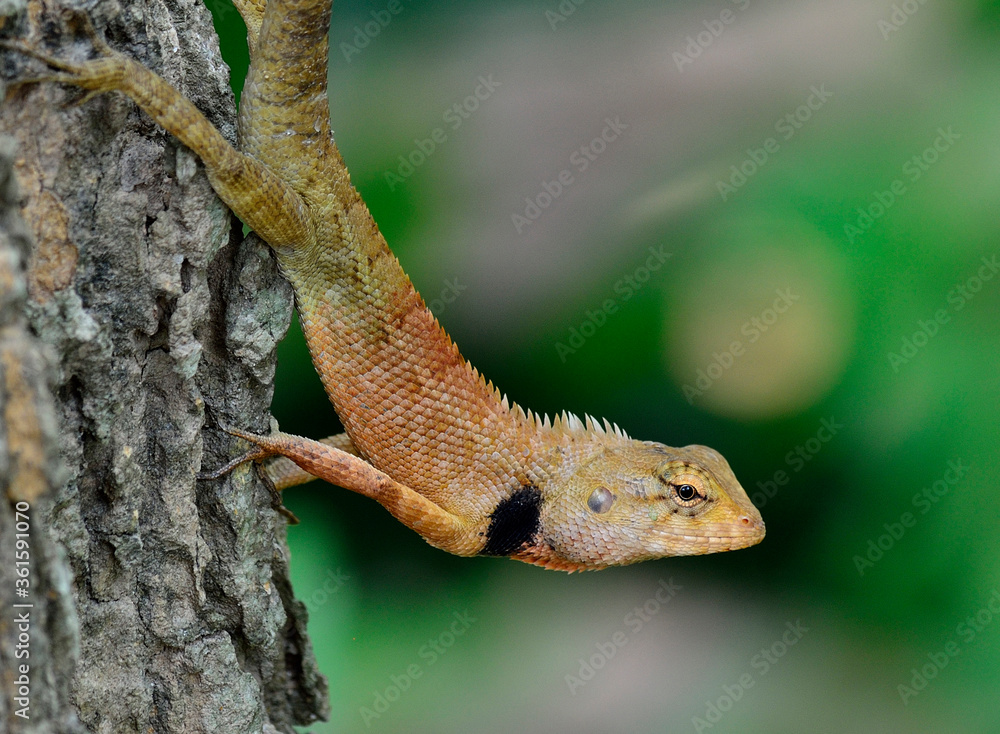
<point>745,532</point>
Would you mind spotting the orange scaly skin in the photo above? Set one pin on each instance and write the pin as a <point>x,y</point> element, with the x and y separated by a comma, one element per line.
<point>427,437</point>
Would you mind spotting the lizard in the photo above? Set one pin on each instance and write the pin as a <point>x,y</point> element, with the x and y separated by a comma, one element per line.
<point>426,435</point>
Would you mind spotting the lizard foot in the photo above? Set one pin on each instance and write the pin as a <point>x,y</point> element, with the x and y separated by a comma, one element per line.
<point>102,74</point>
<point>258,454</point>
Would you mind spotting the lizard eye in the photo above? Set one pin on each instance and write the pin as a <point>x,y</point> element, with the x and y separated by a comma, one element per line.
<point>686,495</point>
<point>600,500</point>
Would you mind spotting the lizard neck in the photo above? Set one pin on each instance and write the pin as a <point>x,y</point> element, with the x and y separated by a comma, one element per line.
<point>408,399</point>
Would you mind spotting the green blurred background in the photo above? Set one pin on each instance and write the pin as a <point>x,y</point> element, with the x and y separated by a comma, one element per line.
<point>826,317</point>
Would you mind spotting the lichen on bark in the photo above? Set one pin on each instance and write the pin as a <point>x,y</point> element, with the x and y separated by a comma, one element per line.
<point>144,306</point>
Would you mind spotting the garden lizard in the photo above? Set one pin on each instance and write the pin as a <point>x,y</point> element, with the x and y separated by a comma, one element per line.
<point>426,435</point>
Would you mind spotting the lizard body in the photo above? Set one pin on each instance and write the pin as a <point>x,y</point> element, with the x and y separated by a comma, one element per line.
<point>427,436</point>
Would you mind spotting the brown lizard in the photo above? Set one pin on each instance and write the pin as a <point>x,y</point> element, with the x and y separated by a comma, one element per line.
<point>426,435</point>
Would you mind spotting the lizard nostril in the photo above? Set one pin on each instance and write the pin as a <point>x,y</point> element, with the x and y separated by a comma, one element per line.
<point>745,519</point>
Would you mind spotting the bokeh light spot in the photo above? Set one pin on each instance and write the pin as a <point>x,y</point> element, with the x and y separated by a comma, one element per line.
<point>760,323</point>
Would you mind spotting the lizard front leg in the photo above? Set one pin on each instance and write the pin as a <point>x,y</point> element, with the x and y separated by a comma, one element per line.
<point>438,527</point>
<point>285,473</point>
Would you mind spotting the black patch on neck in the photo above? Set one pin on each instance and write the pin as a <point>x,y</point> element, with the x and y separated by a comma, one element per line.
<point>514,522</point>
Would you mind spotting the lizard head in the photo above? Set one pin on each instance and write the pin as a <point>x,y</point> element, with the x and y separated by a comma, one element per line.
<point>630,501</point>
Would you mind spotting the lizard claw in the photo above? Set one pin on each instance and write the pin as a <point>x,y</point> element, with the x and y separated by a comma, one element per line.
<point>35,53</point>
<point>94,75</point>
<point>82,20</point>
<point>257,454</point>
<point>254,455</point>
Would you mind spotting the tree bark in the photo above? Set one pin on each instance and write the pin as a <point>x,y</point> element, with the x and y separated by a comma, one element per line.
<point>138,319</point>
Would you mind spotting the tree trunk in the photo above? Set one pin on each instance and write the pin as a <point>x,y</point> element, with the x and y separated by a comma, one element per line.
<point>158,602</point>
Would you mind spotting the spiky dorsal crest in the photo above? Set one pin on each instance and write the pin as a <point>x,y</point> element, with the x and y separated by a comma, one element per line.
<point>565,423</point>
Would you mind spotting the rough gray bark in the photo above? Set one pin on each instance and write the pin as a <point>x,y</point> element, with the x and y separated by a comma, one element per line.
<point>39,638</point>
<point>163,603</point>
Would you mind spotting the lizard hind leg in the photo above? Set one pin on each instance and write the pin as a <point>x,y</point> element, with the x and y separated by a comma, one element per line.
<point>258,195</point>
<point>252,12</point>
